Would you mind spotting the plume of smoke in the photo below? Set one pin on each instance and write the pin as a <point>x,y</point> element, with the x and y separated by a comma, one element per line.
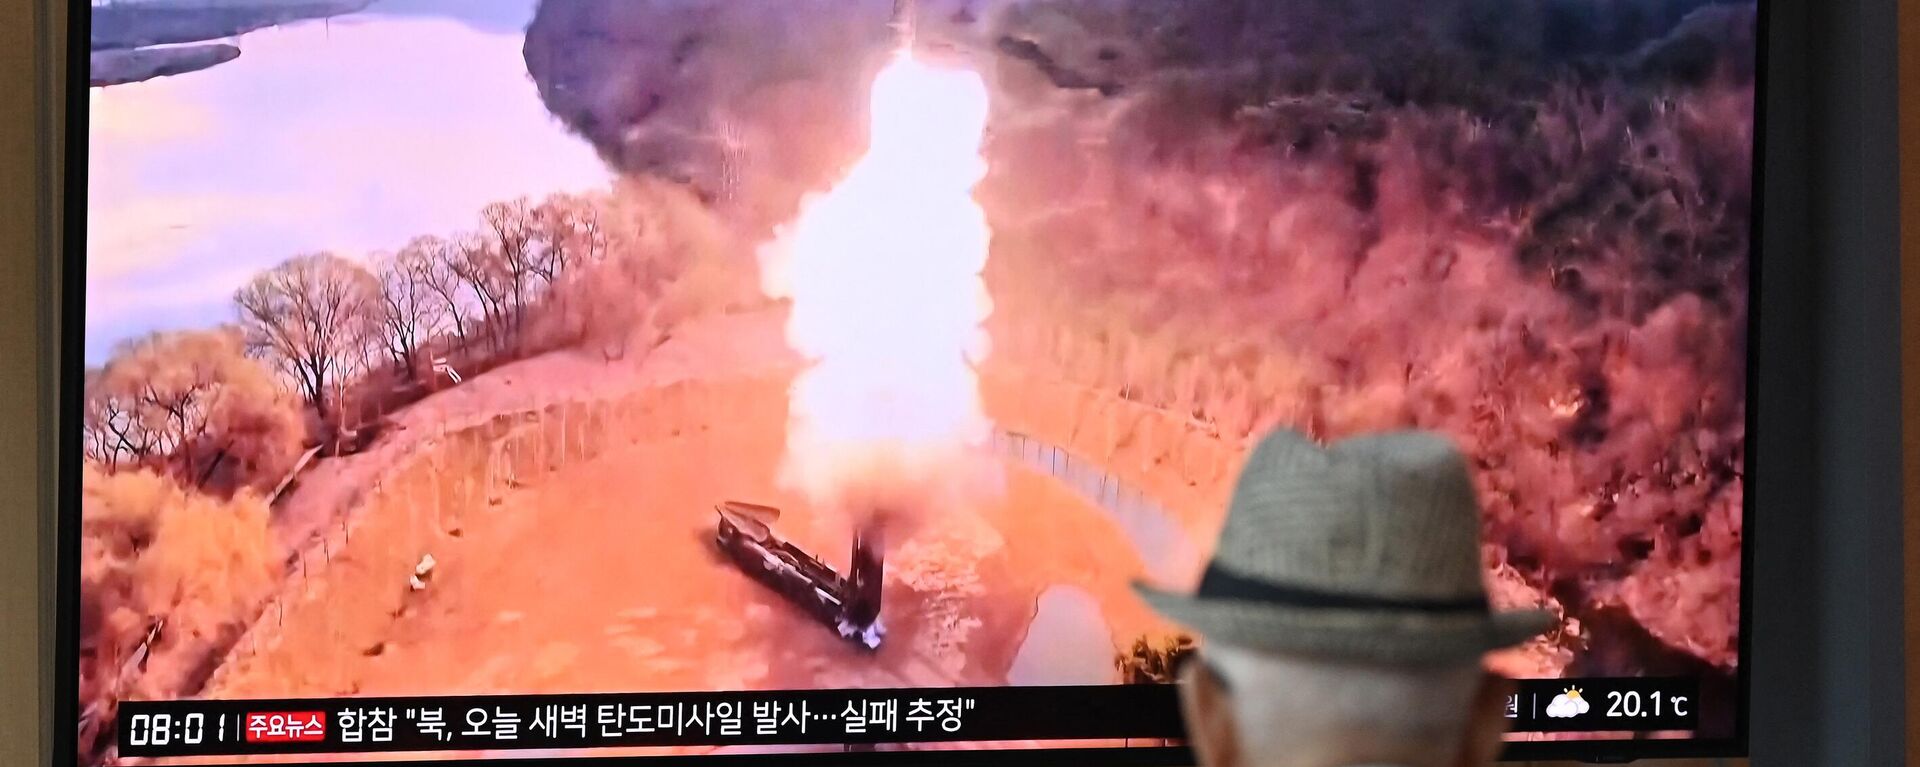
<point>751,104</point>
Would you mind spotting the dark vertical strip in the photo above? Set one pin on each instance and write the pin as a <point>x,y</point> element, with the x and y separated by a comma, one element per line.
<point>1910,351</point>
<point>69,269</point>
<point>1856,229</point>
<point>1783,642</point>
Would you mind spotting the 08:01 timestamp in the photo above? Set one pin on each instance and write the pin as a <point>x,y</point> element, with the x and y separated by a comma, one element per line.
<point>167,729</point>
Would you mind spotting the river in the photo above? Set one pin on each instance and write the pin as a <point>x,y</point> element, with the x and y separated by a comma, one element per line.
<point>352,134</point>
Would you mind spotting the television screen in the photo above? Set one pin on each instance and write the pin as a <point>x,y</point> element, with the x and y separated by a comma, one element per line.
<point>614,378</point>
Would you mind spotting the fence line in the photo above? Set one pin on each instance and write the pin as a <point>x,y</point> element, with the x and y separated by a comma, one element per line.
<point>540,437</point>
<point>1164,545</point>
<point>520,443</point>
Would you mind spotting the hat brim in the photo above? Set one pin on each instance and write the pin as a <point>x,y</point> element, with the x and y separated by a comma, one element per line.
<point>1356,635</point>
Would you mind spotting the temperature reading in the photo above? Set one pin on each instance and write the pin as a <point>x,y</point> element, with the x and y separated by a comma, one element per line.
<point>1631,704</point>
<point>1624,704</point>
<point>1677,704</point>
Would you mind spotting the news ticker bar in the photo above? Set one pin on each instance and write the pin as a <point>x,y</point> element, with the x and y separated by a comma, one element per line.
<point>792,717</point>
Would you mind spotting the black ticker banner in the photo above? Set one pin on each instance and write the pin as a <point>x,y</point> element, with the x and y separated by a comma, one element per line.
<point>788,717</point>
<point>339,725</point>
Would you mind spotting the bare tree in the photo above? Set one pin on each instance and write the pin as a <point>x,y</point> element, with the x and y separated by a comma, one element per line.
<point>411,315</point>
<point>507,231</point>
<point>313,316</point>
<point>97,440</point>
<point>111,433</point>
<point>485,274</point>
<point>433,263</point>
<point>566,235</point>
<point>193,405</point>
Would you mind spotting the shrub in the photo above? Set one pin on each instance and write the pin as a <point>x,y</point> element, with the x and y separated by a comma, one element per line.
<point>1149,662</point>
<point>167,577</point>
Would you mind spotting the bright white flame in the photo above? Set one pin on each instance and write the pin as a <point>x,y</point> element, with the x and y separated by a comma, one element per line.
<point>887,301</point>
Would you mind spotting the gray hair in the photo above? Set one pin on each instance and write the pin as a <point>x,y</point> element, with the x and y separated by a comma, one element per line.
<point>1285,704</point>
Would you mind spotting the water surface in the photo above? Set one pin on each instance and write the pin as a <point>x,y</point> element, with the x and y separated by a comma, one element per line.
<point>352,134</point>
<point>1064,643</point>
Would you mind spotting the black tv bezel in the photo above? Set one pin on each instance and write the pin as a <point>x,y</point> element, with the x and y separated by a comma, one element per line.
<point>72,366</point>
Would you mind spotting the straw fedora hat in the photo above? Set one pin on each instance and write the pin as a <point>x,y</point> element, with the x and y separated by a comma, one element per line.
<point>1367,550</point>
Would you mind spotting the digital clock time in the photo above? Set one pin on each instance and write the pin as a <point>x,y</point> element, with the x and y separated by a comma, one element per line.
<point>167,729</point>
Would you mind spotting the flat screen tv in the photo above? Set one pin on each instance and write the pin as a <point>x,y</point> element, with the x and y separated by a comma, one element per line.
<point>618,379</point>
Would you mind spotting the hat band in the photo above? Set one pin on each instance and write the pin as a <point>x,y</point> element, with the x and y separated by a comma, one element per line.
<point>1224,584</point>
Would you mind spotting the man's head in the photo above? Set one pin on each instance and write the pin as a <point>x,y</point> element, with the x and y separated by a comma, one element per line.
<point>1247,708</point>
<point>1343,615</point>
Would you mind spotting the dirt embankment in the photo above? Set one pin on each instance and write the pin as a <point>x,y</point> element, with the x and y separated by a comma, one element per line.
<point>1175,460</point>
<point>579,560</point>
<point>1188,466</point>
<point>497,490</point>
<point>353,584</point>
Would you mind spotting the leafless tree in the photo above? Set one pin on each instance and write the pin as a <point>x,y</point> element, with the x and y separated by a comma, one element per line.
<point>433,263</point>
<point>193,405</point>
<point>507,232</point>
<point>483,271</point>
<point>111,434</point>
<point>566,235</point>
<point>411,315</point>
<point>312,316</point>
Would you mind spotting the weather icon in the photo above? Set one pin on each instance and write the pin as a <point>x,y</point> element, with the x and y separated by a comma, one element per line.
<point>1568,704</point>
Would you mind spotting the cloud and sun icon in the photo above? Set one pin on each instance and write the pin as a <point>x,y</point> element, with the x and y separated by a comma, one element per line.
<point>1568,704</point>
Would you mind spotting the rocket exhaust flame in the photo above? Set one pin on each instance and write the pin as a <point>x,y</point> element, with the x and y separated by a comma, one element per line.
<point>887,302</point>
